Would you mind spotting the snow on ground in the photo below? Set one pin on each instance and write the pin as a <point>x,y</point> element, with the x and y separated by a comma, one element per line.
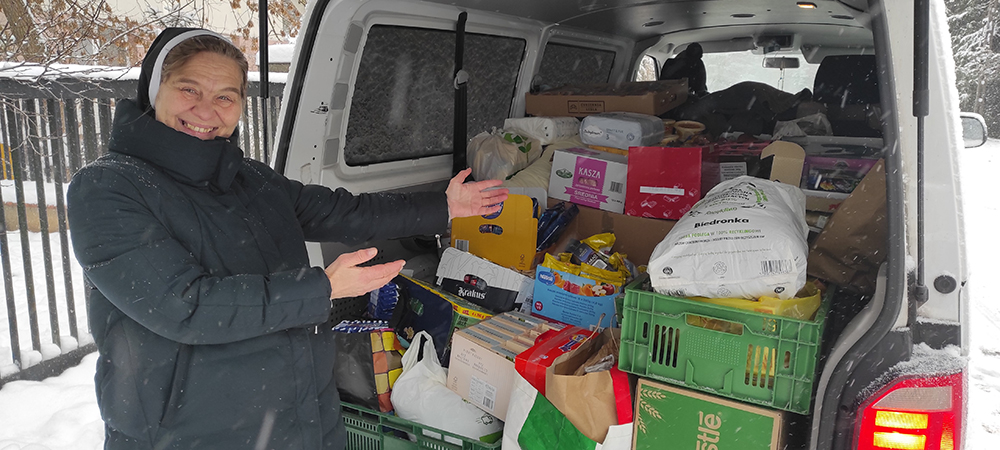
<point>979,168</point>
<point>49,348</point>
<point>60,413</point>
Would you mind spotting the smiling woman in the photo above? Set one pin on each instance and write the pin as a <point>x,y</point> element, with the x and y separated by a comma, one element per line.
<point>207,314</point>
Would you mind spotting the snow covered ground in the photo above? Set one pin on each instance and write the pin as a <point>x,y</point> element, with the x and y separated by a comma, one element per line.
<point>60,413</point>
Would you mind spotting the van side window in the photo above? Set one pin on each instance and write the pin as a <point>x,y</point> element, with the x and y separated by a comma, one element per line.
<point>403,102</point>
<point>566,64</point>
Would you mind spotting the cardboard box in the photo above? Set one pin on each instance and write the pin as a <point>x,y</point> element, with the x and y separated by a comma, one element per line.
<point>824,173</point>
<point>727,161</point>
<point>645,97</point>
<point>634,236</point>
<point>482,282</point>
<point>481,369</point>
<point>561,296</point>
<point>506,237</point>
<point>663,182</point>
<point>823,201</point>
<point>589,178</point>
<point>671,417</point>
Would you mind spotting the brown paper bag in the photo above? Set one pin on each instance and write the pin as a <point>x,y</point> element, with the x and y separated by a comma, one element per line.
<point>852,245</point>
<point>587,400</point>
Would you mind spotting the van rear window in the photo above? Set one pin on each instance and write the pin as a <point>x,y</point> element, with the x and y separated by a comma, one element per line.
<point>403,102</point>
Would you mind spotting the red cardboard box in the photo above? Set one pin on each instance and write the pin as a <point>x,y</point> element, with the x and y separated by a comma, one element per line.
<point>663,182</point>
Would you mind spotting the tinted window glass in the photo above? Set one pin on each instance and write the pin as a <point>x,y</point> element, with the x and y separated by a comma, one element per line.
<point>566,64</point>
<point>403,101</point>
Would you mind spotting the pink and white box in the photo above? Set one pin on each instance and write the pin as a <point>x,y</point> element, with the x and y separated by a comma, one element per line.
<point>590,178</point>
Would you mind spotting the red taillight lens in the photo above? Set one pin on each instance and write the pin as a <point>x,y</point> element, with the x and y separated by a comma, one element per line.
<point>913,414</point>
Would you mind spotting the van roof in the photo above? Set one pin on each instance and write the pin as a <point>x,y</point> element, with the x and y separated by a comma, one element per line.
<point>720,26</point>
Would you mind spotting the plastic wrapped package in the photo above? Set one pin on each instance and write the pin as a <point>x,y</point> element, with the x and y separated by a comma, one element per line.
<point>621,130</point>
<point>545,129</point>
<point>537,173</point>
<point>745,239</point>
<point>497,155</point>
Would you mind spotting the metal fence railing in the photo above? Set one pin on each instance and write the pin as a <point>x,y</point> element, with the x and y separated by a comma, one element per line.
<point>49,129</point>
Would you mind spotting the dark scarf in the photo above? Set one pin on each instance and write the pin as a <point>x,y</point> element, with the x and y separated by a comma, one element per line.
<point>186,158</point>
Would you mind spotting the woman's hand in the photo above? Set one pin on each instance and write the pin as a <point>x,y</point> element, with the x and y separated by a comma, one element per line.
<point>472,199</point>
<point>348,280</point>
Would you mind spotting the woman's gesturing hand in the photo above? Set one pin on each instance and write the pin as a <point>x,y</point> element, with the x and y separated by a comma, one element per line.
<point>347,279</point>
<point>472,199</point>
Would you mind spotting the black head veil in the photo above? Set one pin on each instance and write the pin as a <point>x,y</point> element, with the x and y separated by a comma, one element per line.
<point>152,63</point>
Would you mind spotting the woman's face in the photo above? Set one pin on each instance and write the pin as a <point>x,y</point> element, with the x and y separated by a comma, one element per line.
<point>202,97</point>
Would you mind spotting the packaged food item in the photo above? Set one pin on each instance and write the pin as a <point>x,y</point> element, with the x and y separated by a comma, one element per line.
<point>555,228</point>
<point>621,130</point>
<point>382,301</point>
<point>746,239</point>
<point>590,178</point>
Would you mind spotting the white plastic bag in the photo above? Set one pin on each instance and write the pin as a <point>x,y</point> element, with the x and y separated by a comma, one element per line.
<point>746,238</point>
<point>421,395</point>
<point>497,155</point>
<point>811,125</point>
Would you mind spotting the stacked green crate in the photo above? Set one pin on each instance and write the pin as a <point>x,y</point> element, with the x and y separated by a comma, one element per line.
<point>758,358</point>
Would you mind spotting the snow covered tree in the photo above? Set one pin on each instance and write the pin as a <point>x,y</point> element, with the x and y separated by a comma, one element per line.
<point>974,26</point>
<point>89,32</point>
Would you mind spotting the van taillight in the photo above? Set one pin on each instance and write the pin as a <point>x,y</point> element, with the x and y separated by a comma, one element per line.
<point>914,414</point>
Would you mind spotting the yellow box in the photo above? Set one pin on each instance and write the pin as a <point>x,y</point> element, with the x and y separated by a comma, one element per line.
<point>507,237</point>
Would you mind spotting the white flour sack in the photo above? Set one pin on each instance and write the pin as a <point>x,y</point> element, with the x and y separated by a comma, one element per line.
<point>745,239</point>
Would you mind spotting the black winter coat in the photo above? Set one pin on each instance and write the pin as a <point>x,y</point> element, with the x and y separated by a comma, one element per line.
<point>204,307</point>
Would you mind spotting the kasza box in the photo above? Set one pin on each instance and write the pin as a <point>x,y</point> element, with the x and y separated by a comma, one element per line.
<point>589,178</point>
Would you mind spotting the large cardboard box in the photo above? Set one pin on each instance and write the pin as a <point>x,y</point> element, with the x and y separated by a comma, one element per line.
<point>635,236</point>
<point>645,97</point>
<point>671,417</point>
<point>589,177</point>
<point>481,369</point>
<point>482,282</point>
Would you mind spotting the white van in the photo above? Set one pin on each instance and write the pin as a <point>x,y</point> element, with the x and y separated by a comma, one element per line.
<point>370,106</point>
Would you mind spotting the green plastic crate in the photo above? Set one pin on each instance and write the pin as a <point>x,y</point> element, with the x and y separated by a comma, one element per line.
<point>372,430</point>
<point>758,358</point>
